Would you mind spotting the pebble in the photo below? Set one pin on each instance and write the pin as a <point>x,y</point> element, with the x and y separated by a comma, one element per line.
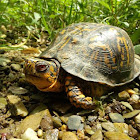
<point>16,67</point>
<point>88,130</point>
<point>17,107</point>
<point>135,98</point>
<point>130,91</point>
<point>124,95</point>
<point>97,135</point>
<point>116,136</point>
<point>92,118</point>
<point>51,134</point>
<point>30,134</point>
<point>75,122</point>
<point>12,77</point>
<point>31,121</point>
<point>17,90</point>
<point>46,123</point>
<point>69,136</point>
<point>126,104</point>
<point>3,102</point>
<point>64,119</point>
<point>81,135</point>
<point>132,132</point>
<point>121,127</point>
<point>63,127</point>
<point>136,90</point>
<point>57,122</point>
<point>39,133</point>
<point>108,126</point>
<point>137,118</point>
<point>116,117</point>
<point>4,61</point>
<point>131,114</point>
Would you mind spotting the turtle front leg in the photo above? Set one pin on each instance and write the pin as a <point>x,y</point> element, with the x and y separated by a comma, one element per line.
<point>76,96</point>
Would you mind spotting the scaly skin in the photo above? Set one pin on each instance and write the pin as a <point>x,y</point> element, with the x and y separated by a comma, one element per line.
<point>54,79</point>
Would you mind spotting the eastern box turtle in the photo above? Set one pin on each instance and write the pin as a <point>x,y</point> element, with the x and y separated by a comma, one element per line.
<point>84,59</point>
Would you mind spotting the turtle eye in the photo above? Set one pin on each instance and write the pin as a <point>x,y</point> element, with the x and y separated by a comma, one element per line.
<point>41,67</point>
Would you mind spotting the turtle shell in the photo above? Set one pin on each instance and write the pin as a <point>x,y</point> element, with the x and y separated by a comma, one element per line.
<point>95,52</point>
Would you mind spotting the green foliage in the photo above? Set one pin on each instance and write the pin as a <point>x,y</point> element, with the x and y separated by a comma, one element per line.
<point>51,15</point>
<point>137,49</point>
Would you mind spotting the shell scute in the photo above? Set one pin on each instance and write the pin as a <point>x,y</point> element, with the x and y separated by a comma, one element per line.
<point>95,52</point>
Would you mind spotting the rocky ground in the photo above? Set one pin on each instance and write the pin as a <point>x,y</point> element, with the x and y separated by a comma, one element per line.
<point>28,114</point>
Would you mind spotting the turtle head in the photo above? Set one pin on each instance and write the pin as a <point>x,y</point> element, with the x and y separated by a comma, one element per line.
<point>42,73</point>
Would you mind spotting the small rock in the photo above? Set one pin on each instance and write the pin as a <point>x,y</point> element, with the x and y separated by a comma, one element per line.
<point>121,127</point>
<point>46,123</point>
<point>116,117</point>
<point>39,133</point>
<point>126,104</point>
<point>74,122</point>
<point>130,91</point>
<point>69,136</point>
<point>64,119</point>
<point>17,107</point>
<point>57,122</point>
<point>81,135</point>
<point>137,118</point>
<point>31,121</point>
<point>135,98</point>
<point>4,61</point>
<point>132,132</point>
<point>136,90</point>
<point>124,95</point>
<point>12,77</point>
<point>108,110</point>
<point>108,126</point>
<point>138,126</point>
<point>51,134</point>
<point>30,134</point>
<point>88,130</point>
<point>63,127</point>
<point>116,136</point>
<point>3,102</point>
<point>92,118</point>
<point>16,67</point>
<point>98,126</point>
<point>17,90</point>
<point>131,114</point>
<point>97,135</point>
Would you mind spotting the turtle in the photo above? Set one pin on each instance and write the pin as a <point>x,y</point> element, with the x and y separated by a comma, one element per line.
<point>85,60</point>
